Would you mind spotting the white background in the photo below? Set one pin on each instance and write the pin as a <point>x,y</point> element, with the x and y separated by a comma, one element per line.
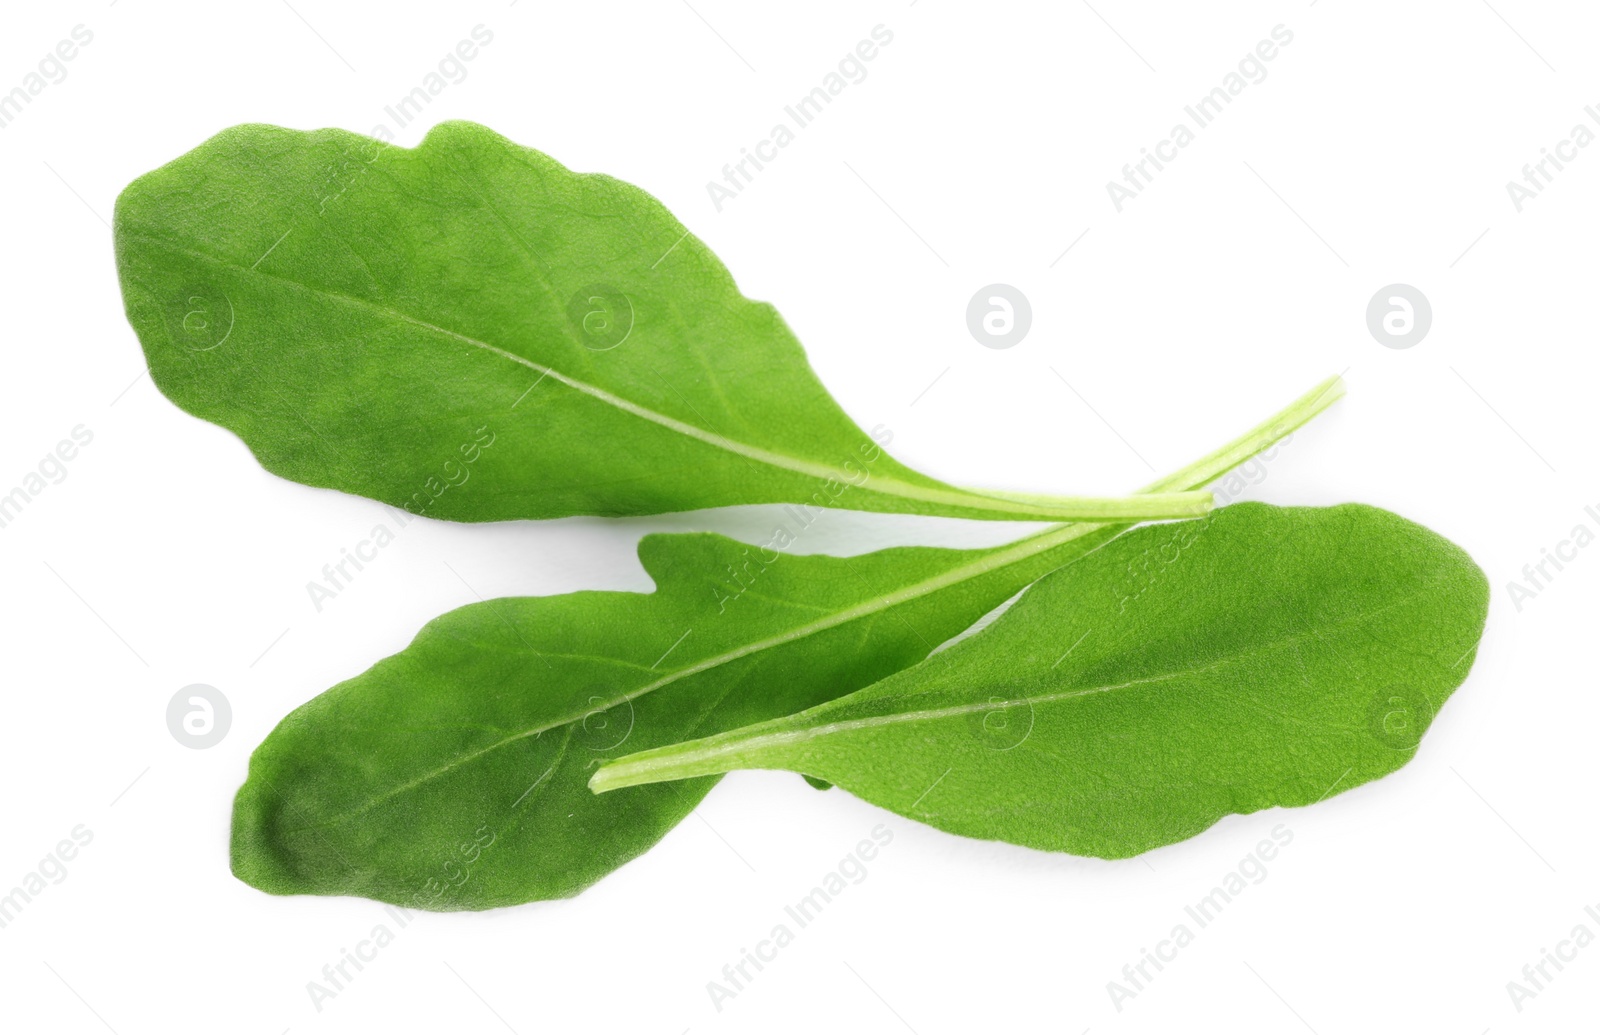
<point>1376,151</point>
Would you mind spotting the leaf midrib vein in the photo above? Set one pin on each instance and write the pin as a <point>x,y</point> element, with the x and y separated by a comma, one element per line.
<point>786,737</point>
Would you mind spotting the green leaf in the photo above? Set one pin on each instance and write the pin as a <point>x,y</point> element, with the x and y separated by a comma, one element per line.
<point>453,775</point>
<point>470,330</point>
<point>1261,657</point>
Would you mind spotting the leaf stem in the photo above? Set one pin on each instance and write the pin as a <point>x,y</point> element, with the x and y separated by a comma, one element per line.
<point>1214,465</point>
<point>696,757</point>
<point>1279,426</point>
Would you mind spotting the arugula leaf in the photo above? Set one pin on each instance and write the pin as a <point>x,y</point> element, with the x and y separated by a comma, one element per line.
<point>453,775</point>
<point>470,330</point>
<point>1261,657</point>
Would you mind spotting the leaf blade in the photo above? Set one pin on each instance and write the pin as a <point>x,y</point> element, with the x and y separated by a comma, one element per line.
<point>1110,762</point>
<point>385,750</point>
<point>360,328</point>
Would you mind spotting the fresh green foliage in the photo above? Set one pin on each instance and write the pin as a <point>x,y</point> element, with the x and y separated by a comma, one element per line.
<point>470,330</point>
<point>1261,657</point>
<point>453,775</point>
